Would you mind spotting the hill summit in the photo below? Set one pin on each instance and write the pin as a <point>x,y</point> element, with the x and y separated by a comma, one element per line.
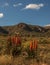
<point>24,26</point>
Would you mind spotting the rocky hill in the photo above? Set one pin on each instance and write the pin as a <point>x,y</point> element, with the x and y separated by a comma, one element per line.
<point>27,30</point>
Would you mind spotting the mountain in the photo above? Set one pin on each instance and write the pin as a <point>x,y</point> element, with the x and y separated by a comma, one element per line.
<point>27,30</point>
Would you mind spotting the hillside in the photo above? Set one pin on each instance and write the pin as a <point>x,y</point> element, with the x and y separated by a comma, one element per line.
<point>3,31</point>
<point>28,30</point>
<point>47,27</point>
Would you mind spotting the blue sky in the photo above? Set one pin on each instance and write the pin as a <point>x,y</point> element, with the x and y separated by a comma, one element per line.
<point>36,12</point>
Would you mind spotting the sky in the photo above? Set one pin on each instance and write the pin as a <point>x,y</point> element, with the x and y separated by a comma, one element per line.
<point>35,12</point>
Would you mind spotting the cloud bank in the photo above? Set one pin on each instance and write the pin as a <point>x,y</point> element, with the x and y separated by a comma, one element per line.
<point>34,6</point>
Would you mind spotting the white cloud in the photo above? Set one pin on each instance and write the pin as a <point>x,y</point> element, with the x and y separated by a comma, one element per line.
<point>1,15</point>
<point>6,4</point>
<point>17,4</point>
<point>34,6</point>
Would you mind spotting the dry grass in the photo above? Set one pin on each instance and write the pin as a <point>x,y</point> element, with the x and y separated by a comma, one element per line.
<point>5,59</point>
<point>20,60</point>
<point>8,60</point>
